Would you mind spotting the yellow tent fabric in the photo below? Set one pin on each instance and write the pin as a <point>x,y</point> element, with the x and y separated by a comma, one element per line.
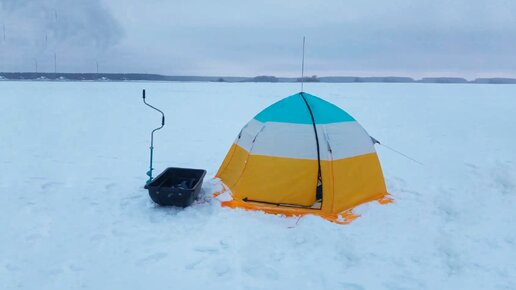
<point>303,155</point>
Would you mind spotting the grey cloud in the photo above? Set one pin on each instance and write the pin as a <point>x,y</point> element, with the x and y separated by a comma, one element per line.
<point>78,31</point>
<point>234,37</point>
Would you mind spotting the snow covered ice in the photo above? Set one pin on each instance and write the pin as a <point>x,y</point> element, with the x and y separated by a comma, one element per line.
<point>74,214</point>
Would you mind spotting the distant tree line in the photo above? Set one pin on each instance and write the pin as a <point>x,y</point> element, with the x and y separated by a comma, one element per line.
<point>312,79</point>
<point>260,79</point>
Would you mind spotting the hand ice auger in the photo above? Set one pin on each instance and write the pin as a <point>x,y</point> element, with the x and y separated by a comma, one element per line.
<point>149,173</point>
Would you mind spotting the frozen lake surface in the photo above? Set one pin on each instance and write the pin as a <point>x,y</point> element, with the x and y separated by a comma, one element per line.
<point>74,214</point>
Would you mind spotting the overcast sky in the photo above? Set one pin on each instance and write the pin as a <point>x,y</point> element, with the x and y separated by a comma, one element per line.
<point>474,38</point>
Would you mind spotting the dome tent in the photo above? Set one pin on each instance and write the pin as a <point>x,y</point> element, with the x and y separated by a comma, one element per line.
<point>303,155</point>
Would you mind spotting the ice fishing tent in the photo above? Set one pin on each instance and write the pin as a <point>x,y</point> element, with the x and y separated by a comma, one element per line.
<point>303,155</point>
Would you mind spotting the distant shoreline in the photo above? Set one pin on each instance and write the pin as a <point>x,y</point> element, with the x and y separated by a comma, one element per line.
<point>44,76</point>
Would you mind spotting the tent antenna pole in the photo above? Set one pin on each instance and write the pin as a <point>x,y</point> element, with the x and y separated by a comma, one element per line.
<point>303,66</point>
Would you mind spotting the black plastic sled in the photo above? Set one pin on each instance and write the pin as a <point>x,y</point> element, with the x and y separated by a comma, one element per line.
<point>176,186</point>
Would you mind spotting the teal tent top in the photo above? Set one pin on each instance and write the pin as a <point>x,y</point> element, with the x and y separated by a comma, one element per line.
<point>293,109</point>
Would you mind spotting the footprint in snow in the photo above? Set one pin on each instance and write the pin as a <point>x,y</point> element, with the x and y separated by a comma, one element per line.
<point>351,286</point>
<point>221,268</point>
<point>260,271</point>
<point>12,268</point>
<point>194,264</point>
<point>151,259</point>
<point>206,249</point>
<point>447,212</point>
<point>127,201</point>
<point>133,197</point>
<point>50,185</point>
<point>33,237</point>
<point>75,268</point>
<point>471,166</point>
<point>97,237</point>
<point>118,233</point>
<point>404,282</point>
<point>451,259</point>
<point>446,209</point>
